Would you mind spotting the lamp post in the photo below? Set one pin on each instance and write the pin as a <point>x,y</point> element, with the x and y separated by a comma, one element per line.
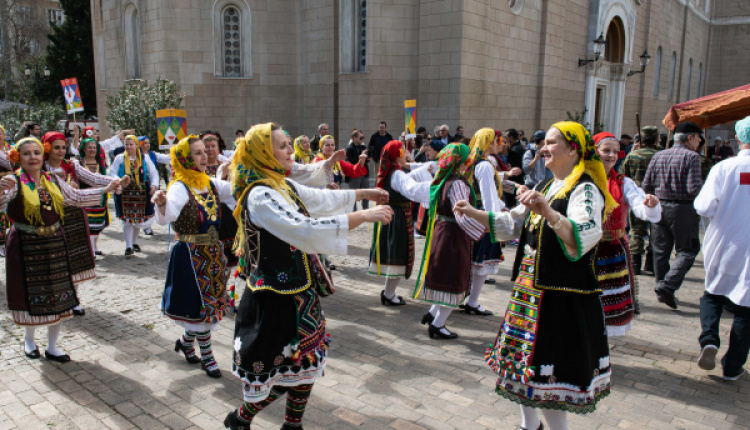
<point>598,50</point>
<point>37,76</point>
<point>644,62</point>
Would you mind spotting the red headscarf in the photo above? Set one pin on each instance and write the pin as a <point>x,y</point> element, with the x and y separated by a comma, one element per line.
<point>391,152</point>
<point>89,131</point>
<point>618,217</point>
<point>50,137</point>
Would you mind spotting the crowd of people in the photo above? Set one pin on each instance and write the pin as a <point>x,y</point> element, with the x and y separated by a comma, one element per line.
<point>264,217</point>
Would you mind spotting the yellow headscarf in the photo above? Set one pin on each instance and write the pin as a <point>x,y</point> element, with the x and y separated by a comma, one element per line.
<point>138,159</point>
<point>304,155</point>
<point>336,167</point>
<point>478,146</point>
<point>30,191</point>
<point>253,163</point>
<point>183,166</point>
<point>589,163</point>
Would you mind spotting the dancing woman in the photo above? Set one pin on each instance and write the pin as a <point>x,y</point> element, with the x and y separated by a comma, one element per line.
<point>341,169</point>
<point>39,279</point>
<point>6,168</point>
<point>133,204</point>
<point>614,263</point>
<point>94,160</point>
<point>195,299</point>
<point>302,152</point>
<point>551,352</point>
<point>280,341</point>
<point>446,262</point>
<point>215,168</point>
<point>392,250</point>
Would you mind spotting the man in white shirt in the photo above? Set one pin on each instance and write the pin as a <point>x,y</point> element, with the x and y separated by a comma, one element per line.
<point>725,199</point>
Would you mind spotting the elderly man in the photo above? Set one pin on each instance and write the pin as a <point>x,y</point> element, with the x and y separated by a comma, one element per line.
<point>323,130</point>
<point>445,136</point>
<point>725,199</point>
<point>674,176</point>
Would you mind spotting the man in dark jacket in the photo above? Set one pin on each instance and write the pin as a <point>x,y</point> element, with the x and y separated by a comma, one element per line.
<point>355,148</point>
<point>378,142</point>
<point>515,159</point>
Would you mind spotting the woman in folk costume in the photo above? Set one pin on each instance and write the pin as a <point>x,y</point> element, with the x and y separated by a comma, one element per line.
<point>280,340</point>
<point>392,249</point>
<point>302,152</point>
<point>430,155</point>
<point>6,168</point>
<point>195,299</point>
<point>341,169</point>
<point>39,273</point>
<point>213,142</point>
<point>76,226</point>
<point>217,167</point>
<point>133,204</point>
<point>156,158</point>
<point>614,264</point>
<point>93,158</point>
<point>551,352</point>
<point>482,175</point>
<point>446,262</point>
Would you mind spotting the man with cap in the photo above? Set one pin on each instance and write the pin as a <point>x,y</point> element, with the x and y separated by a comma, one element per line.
<point>725,199</point>
<point>634,167</point>
<point>533,161</point>
<point>674,176</point>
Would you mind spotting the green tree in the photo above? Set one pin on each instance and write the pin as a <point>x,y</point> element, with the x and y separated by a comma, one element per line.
<point>45,114</point>
<point>70,54</point>
<point>136,105</point>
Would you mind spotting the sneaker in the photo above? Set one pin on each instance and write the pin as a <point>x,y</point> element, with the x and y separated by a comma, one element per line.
<point>733,378</point>
<point>148,232</point>
<point>513,242</point>
<point>707,359</point>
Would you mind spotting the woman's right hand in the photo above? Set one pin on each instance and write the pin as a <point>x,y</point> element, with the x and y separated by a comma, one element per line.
<point>159,198</point>
<point>7,183</point>
<point>465,208</point>
<point>382,213</point>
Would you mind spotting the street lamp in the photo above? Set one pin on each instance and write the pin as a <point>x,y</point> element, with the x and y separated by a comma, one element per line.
<point>37,75</point>
<point>598,49</point>
<point>644,62</point>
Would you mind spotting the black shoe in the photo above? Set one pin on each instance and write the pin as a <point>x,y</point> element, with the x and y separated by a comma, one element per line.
<point>437,331</point>
<point>129,252</point>
<point>648,266</point>
<point>192,359</point>
<point>33,354</point>
<point>385,301</point>
<point>233,422</point>
<point>79,312</point>
<point>666,297</point>
<point>136,248</point>
<point>216,373</point>
<point>541,427</point>
<point>291,427</point>
<point>637,264</point>
<point>490,281</point>
<point>148,232</point>
<point>470,310</point>
<point>59,358</point>
<point>427,318</point>
<point>99,253</point>
<point>331,267</point>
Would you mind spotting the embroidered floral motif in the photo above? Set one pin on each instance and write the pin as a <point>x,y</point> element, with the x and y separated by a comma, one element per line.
<point>278,360</point>
<point>258,367</point>
<point>283,277</point>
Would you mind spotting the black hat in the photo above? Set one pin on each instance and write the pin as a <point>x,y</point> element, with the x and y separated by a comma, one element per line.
<point>688,127</point>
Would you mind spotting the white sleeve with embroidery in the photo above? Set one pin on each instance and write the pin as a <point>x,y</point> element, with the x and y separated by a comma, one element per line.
<point>507,225</point>
<point>4,162</point>
<point>326,202</point>
<point>111,143</point>
<point>311,175</point>
<point>8,196</point>
<point>270,210</point>
<point>80,198</point>
<point>635,196</point>
<point>90,178</point>
<point>224,190</point>
<point>585,211</point>
<point>460,191</point>
<point>485,174</point>
<point>177,198</point>
<point>114,168</point>
<point>411,189</point>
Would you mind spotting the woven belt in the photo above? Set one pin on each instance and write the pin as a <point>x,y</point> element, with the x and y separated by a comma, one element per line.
<point>446,219</point>
<point>210,238</point>
<point>610,235</point>
<point>39,230</point>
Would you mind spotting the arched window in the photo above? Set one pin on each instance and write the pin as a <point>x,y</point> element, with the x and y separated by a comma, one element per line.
<point>700,80</point>
<point>353,36</point>
<point>232,56</point>
<point>614,50</point>
<point>672,71</point>
<point>690,79</point>
<point>657,72</point>
<point>133,41</point>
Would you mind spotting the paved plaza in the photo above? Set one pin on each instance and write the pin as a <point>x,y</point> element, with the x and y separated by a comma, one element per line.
<point>383,370</point>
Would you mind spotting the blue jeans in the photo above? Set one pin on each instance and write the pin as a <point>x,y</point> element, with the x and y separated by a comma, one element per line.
<point>739,338</point>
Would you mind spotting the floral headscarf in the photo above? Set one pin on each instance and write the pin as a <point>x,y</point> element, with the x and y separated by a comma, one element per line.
<point>449,161</point>
<point>391,152</point>
<point>100,156</point>
<point>589,162</point>
<point>304,156</point>
<point>184,168</point>
<point>30,190</point>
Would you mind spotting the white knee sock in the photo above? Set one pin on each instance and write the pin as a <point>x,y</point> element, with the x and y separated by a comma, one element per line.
<point>442,315</point>
<point>556,420</point>
<point>390,287</point>
<point>134,232</point>
<point>434,310</point>
<point>54,334</point>
<point>94,239</point>
<point>28,340</point>
<point>126,231</point>
<point>477,283</point>
<point>529,418</point>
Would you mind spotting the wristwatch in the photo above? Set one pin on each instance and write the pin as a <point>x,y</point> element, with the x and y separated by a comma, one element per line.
<point>558,224</point>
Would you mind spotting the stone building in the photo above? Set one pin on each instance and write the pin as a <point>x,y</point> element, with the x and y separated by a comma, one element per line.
<point>352,63</point>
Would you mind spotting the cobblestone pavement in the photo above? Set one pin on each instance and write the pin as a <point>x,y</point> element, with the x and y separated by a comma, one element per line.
<point>384,371</point>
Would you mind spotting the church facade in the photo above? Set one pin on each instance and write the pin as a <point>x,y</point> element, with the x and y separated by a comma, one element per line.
<point>477,63</point>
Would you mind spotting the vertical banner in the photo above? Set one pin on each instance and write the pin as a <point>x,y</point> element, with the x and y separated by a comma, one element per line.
<point>171,127</point>
<point>410,113</point>
<point>73,102</point>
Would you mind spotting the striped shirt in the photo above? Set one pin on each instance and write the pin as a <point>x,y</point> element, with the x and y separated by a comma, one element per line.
<point>460,191</point>
<point>674,174</point>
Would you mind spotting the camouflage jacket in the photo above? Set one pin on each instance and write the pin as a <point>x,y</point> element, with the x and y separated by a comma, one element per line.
<point>636,164</point>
